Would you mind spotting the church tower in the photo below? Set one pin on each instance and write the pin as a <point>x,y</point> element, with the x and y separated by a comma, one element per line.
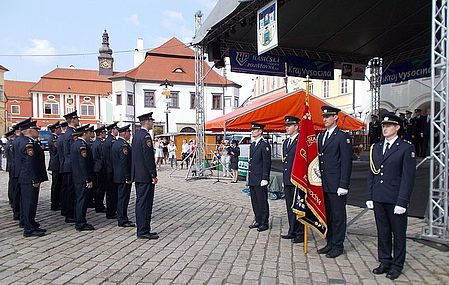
<point>105,59</point>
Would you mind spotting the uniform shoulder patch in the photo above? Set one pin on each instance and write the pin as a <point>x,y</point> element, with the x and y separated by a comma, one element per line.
<point>29,149</point>
<point>125,149</point>
<point>149,141</point>
<point>83,151</point>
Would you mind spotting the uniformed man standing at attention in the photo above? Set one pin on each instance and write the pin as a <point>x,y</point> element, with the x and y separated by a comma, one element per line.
<point>65,167</point>
<point>99,169</point>
<point>32,174</point>
<point>11,135</point>
<point>296,229</point>
<point>375,129</point>
<point>390,183</point>
<point>144,174</point>
<point>259,176</point>
<point>335,156</point>
<point>82,175</point>
<point>53,166</point>
<point>110,187</point>
<point>121,161</point>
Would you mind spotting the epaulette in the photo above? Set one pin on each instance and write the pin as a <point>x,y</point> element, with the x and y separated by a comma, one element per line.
<point>407,141</point>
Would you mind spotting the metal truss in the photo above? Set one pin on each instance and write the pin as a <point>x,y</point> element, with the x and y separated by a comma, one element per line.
<point>375,66</point>
<point>437,228</point>
<point>199,99</point>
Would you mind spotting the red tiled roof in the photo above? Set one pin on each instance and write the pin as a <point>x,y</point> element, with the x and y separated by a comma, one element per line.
<point>18,89</point>
<point>3,68</point>
<point>76,81</point>
<point>160,64</point>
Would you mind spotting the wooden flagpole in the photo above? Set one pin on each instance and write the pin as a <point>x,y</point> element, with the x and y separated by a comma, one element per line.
<point>306,228</point>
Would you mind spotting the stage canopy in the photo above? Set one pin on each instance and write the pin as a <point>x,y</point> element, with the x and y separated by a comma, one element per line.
<point>270,111</point>
<point>340,31</point>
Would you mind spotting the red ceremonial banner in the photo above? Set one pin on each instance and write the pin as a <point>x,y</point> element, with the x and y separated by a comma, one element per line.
<point>309,197</point>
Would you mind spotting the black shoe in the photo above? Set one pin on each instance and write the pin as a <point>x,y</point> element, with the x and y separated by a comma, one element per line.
<point>34,234</point>
<point>381,269</point>
<point>128,224</point>
<point>16,218</point>
<point>40,230</point>
<point>393,274</point>
<point>262,228</point>
<point>333,253</point>
<point>148,236</point>
<point>110,217</point>
<point>254,225</point>
<point>153,233</point>
<point>100,210</point>
<point>289,236</point>
<point>55,208</point>
<point>69,220</point>
<point>86,227</point>
<point>325,249</point>
<point>298,239</point>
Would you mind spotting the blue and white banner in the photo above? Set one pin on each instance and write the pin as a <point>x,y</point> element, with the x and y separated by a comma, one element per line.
<point>249,62</point>
<point>315,68</point>
<point>267,27</point>
<point>406,70</point>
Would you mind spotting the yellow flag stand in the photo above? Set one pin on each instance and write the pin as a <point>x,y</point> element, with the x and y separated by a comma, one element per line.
<point>306,228</point>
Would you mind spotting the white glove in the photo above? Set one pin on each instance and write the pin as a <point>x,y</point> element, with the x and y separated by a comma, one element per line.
<point>342,192</point>
<point>263,183</point>
<point>369,204</point>
<point>398,210</point>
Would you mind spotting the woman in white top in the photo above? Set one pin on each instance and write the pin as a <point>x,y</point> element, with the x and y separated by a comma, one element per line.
<point>185,151</point>
<point>159,153</point>
<point>172,154</point>
<point>225,158</point>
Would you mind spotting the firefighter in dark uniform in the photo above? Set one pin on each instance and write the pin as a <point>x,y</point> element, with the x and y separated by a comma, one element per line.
<point>53,166</point>
<point>121,161</point>
<point>65,168</point>
<point>418,123</point>
<point>390,184</point>
<point>335,156</point>
<point>296,229</point>
<point>64,126</point>
<point>11,135</point>
<point>82,175</point>
<point>110,188</point>
<point>408,127</point>
<point>259,176</point>
<point>144,174</point>
<point>99,169</point>
<point>375,129</point>
<point>90,193</point>
<point>31,174</point>
<point>19,142</point>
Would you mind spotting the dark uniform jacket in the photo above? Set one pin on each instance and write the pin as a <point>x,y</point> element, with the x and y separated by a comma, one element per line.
<point>107,158</point>
<point>396,173</point>
<point>82,162</point>
<point>64,150</point>
<point>288,155</point>
<point>408,129</point>
<point>18,143</point>
<point>335,160</point>
<point>143,165</point>
<point>97,152</point>
<point>9,154</point>
<point>53,164</point>
<point>121,160</point>
<point>259,163</point>
<point>375,131</point>
<point>32,167</point>
<point>234,153</point>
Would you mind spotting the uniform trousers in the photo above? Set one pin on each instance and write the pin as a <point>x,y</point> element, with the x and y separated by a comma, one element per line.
<point>15,197</point>
<point>67,196</point>
<point>123,194</point>
<point>81,205</point>
<point>56,183</point>
<point>111,196</point>
<point>144,207</point>
<point>336,219</point>
<point>28,206</point>
<point>99,190</point>
<point>390,226</point>
<point>259,201</point>
<point>295,227</point>
<point>10,190</point>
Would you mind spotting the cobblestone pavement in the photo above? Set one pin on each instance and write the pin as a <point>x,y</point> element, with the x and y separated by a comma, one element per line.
<point>204,240</point>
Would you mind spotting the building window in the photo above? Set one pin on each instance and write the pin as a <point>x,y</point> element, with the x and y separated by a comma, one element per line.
<point>15,109</point>
<point>1,94</point>
<point>130,101</point>
<point>311,88</point>
<point>217,101</point>
<point>174,100</point>
<point>69,110</point>
<point>228,101</point>
<point>118,97</point>
<point>87,110</point>
<point>344,86</point>
<point>326,89</point>
<point>51,109</point>
<point>148,99</point>
<point>236,102</point>
<point>192,100</point>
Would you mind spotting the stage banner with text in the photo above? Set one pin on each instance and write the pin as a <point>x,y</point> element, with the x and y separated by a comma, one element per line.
<point>250,62</point>
<point>406,70</point>
<point>314,68</point>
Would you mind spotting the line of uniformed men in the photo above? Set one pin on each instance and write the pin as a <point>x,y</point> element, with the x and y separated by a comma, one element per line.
<point>83,170</point>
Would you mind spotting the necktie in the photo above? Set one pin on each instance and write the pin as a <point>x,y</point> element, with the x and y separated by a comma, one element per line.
<point>289,142</point>
<point>387,146</point>
<point>326,137</point>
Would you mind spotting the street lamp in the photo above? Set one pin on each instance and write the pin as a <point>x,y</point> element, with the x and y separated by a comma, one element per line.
<point>166,93</point>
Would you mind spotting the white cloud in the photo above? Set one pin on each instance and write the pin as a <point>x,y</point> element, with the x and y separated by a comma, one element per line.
<point>173,15</point>
<point>133,19</point>
<point>42,48</point>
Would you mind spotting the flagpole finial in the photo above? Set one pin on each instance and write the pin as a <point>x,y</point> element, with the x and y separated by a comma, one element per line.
<point>307,81</point>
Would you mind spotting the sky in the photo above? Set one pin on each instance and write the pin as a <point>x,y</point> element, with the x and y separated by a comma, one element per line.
<point>55,27</point>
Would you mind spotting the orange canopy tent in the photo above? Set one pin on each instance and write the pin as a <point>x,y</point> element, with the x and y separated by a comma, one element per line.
<point>270,111</point>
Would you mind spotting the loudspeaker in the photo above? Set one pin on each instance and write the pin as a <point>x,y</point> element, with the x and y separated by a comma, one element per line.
<point>213,51</point>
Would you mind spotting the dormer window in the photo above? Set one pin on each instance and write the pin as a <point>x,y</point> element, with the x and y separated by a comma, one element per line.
<point>178,70</point>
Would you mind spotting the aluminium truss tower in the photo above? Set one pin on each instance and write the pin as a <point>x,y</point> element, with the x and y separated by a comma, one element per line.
<point>199,98</point>
<point>437,228</point>
<point>375,66</point>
